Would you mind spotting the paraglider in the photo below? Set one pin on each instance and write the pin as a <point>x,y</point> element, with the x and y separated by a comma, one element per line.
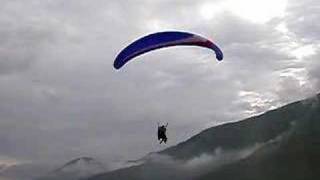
<point>162,137</point>
<point>161,40</point>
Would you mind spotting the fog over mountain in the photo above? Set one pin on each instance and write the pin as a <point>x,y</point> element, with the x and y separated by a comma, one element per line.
<point>282,143</point>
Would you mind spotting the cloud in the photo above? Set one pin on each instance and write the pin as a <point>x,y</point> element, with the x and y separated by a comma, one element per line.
<point>301,17</point>
<point>60,97</point>
<point>163,166</point>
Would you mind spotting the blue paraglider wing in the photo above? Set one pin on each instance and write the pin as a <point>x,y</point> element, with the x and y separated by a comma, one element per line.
<point>161,40</point>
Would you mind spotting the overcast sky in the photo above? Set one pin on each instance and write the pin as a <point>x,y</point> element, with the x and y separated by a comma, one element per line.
<point>60,97</point>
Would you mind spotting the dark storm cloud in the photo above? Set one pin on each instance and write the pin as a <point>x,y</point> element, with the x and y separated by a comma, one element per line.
<point>61,98</point>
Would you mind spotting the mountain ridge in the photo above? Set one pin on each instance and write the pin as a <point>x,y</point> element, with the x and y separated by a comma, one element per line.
<point>274,131</point>
<point>75,169</point>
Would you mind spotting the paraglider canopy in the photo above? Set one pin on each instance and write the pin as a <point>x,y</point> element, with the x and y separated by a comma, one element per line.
<point>161,40</point>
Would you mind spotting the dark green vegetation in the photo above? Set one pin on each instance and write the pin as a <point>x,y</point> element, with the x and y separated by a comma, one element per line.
<point>289,148</point>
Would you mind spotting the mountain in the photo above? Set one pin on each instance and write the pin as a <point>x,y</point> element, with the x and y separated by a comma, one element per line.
<point>78,168</point>
<point>295,157</point>
<point>25,171</point>
<point>280,144</point>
